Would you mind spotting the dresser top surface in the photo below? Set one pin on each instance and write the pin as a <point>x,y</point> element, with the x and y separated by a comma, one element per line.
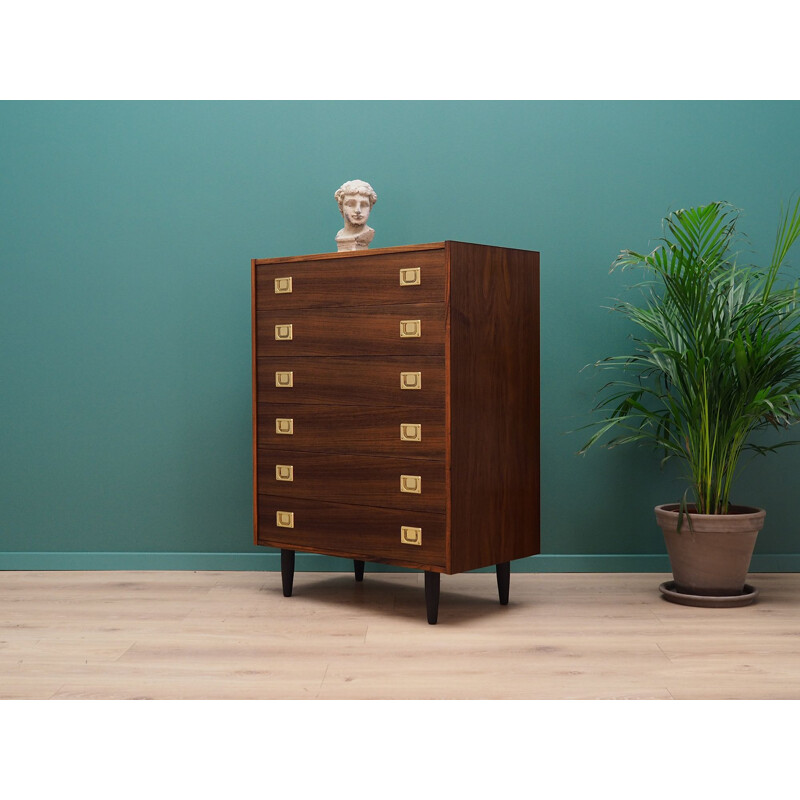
<point>408,248</point>
<point>353,253</point>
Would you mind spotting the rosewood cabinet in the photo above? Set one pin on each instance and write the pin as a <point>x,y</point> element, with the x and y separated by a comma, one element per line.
<point>396,408</point>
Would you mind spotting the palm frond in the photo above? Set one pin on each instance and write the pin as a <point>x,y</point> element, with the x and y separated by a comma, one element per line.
<point>717,353</point>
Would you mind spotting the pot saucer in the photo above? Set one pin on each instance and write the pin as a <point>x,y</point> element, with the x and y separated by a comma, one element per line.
<point>749,594</point>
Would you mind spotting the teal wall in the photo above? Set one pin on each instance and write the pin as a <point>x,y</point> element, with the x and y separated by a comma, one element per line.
<point>126,233</point>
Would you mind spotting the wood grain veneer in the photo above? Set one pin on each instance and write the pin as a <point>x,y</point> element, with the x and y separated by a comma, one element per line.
<point>354,479</point>
<point>352,531</point>
<point>367,381</point>
<point>365,430</point>
<point>352,279</point>
<point>494,405</point>
<point>357,331</point>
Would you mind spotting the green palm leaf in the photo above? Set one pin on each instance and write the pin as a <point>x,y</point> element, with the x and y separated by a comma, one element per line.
<point>717,354</point>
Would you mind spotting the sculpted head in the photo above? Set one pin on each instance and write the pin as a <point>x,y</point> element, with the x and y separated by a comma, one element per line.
<point>355,199</point>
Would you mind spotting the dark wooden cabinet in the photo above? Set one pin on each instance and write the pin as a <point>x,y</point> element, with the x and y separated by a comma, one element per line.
<point>396,408</point>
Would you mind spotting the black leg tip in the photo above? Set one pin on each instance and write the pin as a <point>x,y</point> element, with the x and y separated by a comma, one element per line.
<point>432,582</point>
<point>503,581</point>
<point>287,571</point>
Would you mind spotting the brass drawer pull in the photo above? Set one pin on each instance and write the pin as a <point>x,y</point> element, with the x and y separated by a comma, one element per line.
<point>283,285</point>
<point>410,329</point>
<point>284,426</point>
<point>410,380</point>
<point>284,380</point>
<point>284,519</point>
<point>283,333</point>
<point>410,535</point>
<point>410,432</point>
<point>284,472</point>
<point>410,277</point>
<point>411,484</point>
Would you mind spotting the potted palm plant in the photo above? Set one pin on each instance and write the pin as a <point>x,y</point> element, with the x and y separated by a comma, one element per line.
<point>716,359</point>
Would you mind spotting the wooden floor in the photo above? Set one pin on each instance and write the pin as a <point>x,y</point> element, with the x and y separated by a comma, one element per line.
<point>232,635</point>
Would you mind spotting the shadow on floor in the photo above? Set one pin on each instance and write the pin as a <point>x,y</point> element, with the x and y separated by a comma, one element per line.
<point>379,595</point>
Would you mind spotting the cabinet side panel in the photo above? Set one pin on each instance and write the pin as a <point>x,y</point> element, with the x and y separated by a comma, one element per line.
<point>494,405</point>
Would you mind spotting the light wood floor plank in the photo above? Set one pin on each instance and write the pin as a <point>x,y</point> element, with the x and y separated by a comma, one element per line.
<point>232,635</point>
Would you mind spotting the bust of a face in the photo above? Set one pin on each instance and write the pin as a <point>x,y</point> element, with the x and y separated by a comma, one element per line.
<point>355,210</point>
<point>355,199</point>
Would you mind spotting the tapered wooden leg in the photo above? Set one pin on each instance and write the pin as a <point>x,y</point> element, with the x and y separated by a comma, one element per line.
<point>287,571</point>
<point>358,568</point>
<point>503,580</point>
<point>432,596</point>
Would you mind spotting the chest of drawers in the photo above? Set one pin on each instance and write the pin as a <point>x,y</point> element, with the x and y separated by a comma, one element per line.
<point>396,408</point>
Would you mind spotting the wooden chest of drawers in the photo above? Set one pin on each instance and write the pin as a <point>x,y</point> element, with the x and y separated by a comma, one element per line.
<point>396,408</point>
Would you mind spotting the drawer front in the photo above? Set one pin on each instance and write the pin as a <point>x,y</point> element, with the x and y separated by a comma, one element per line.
<point>407,538</point>
<point>366,280</point>
<point>356,331</point>
<point>410,381</point>
<point>395,432</point>
<point>361,480</point>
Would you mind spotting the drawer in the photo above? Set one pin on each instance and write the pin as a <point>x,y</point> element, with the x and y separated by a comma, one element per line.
<point>396,432</point>
<point>362,330</point>
<point>412,484</point>
<point>367,381</point>
<point>368,279</point>
<point>349,531</point>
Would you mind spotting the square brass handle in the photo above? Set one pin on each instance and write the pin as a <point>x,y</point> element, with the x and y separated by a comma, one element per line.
<point>284,519</point>
<point>410,535</point>
<point>410,380</point>
<point>284,380</point>
<point>411,484</point>
<point>410,432</point>
<point>284,472</point>
<point>284,426</point>
<point>410,277</point>
<point>410,329</point>
<point>283,333</point>
<point>283,285</point>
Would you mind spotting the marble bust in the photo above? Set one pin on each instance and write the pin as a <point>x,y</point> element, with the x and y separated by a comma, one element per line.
<point>355,199</point>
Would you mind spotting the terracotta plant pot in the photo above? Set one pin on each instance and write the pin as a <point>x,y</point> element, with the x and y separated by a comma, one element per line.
<point>711,558</point>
